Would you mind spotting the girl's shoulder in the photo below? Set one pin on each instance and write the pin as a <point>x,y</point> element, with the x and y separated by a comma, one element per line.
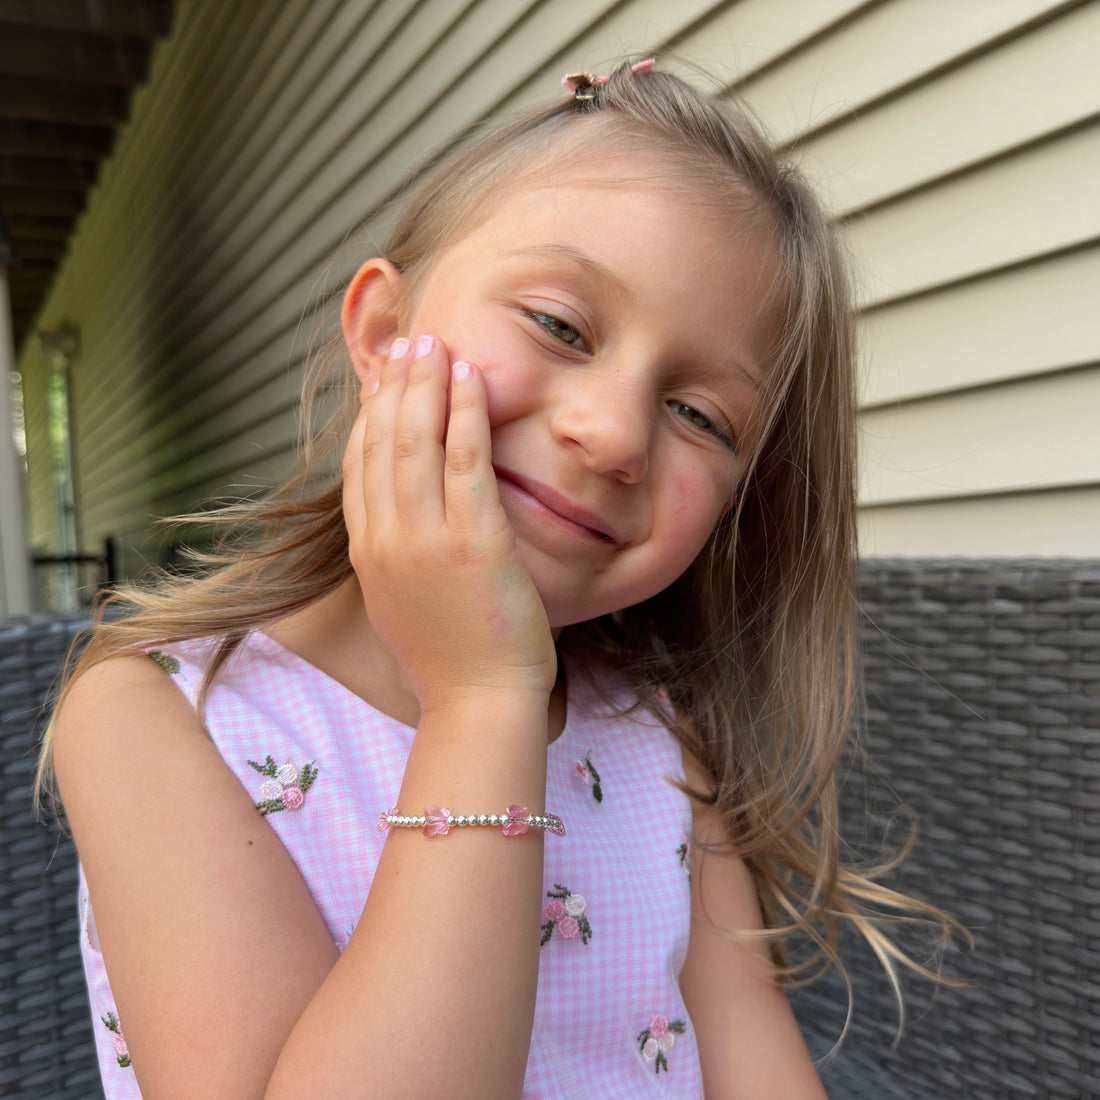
<point>136,714</point>
<point>109,698</point>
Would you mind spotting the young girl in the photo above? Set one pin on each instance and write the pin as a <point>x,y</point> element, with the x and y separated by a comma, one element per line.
<point>500,762</point>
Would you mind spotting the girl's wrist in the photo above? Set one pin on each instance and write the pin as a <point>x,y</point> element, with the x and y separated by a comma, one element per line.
<point>488,709</point>
<point>479,754</point>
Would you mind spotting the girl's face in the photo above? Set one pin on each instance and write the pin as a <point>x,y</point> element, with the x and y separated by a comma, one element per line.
<point>620,327</point>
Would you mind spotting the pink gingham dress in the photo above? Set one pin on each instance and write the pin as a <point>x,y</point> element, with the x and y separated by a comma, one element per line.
<point>321,764</point>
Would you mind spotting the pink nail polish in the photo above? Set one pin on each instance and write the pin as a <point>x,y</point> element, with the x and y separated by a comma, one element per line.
<point>460,371</point>
<point>398,348</point>
<point>423,346</point>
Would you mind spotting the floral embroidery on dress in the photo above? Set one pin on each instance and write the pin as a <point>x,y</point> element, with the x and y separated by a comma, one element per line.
<point>122,1055</point>
<point>586,772</point>
<point>285,788</point>
<point>684,852</point>
<point>658,1039</point>
<point>565,911</point>
<point>169,663</point>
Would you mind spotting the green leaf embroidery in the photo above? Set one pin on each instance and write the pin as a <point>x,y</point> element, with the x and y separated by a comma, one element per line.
<point>169,663</point>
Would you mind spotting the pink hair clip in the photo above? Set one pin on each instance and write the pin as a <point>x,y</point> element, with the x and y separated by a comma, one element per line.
<point>583,85</point>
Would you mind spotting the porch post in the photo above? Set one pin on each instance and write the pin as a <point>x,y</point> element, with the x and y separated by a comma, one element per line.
<point>15,561</point>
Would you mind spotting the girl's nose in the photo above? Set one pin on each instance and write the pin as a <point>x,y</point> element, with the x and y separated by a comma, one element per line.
<point>610,420</point>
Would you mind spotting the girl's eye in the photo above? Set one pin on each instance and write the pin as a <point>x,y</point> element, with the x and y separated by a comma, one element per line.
<point>699,420</point>
<point>557,328</point>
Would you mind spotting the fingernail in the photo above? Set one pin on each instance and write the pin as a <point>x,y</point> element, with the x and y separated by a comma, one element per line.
<point>423,346</point>
<point>372,388</point>
<point>399,347</point>
<point>460,371</point>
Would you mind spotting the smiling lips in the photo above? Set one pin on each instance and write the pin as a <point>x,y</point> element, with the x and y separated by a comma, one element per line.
<point>560,507</point>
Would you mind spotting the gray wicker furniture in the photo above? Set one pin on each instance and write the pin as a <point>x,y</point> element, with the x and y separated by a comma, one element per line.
<point>983,715</point>
<point>46,1046</point>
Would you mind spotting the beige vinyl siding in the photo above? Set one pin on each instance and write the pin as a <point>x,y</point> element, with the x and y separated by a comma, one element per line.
<point>957,143</point>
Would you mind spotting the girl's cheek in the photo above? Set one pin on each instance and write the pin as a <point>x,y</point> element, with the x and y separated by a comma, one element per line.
<point>510,390</point>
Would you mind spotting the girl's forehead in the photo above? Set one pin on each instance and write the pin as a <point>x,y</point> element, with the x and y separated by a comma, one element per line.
<point>613,195</point>
<point>664,174</point>
<point>635,215</point>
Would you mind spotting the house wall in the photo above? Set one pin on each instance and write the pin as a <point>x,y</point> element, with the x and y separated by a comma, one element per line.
<point>957,144</point>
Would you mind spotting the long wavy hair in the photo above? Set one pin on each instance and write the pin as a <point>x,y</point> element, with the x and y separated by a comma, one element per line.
<point>755,645</point>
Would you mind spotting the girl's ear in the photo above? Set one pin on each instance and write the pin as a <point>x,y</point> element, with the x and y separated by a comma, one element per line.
<point>370,315</point>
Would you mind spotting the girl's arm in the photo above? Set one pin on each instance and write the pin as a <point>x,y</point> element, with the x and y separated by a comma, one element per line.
<point>226,980</point>
<point>750,1045</point>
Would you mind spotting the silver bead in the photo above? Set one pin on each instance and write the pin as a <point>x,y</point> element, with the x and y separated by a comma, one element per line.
<point>483,819</point>
<point>494,819</point>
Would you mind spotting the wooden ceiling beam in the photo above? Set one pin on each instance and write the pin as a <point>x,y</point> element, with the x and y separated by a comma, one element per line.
<point>47,172</point>
<point>51,201</point>
<point>29,270</point>
<point>130,18</point>
<point>92,59</point>
<point>48,252</point>
<point>21,137</point>
<point>44,100</point>
<point>67,70</point>
<point>28,283</point>
<point>35,227</point>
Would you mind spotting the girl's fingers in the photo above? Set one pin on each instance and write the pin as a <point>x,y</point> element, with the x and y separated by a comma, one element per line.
<point>376,448</point>
<point>418,434</point>
<point>470,487</point>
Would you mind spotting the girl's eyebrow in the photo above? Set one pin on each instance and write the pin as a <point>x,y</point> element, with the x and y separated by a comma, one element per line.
<point>595,270</point>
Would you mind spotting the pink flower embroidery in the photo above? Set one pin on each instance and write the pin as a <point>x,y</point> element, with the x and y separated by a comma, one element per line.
<point>566,912</point>
<point>553,910</point>
<point>118,1040</point>
<point>658,1039</point>
<point>517,821</point>
<point>285,787</point>
<point>438,823</point>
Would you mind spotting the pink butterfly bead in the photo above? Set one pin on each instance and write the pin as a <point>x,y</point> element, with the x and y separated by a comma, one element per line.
<point>438,823</point>
<point>516,825</point>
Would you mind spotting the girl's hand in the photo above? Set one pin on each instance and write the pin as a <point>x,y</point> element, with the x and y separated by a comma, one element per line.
<point>434,552</point>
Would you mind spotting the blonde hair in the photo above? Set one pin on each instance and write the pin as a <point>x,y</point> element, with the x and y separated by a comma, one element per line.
<point>755,644</point>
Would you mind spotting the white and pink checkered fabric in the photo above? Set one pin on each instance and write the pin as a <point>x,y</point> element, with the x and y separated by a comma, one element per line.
<point>609,1020</point>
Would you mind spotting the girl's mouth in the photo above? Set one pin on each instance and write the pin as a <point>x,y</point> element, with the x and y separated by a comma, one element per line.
<point>557,507</point>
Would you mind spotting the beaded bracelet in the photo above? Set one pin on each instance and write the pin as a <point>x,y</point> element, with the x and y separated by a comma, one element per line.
<point>438,821</point>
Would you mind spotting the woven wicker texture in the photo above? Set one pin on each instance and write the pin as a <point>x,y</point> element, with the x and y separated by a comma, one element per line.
<point>46,1047</point>
<point>983,715</point>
